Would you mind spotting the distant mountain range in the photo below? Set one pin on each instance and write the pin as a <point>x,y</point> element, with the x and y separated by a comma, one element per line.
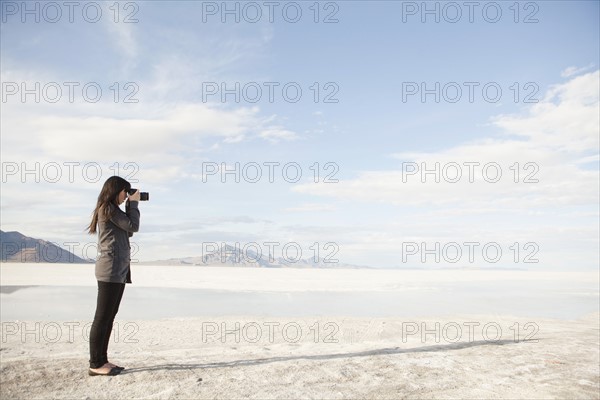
<point>16,247</point>
<point>230,256</point>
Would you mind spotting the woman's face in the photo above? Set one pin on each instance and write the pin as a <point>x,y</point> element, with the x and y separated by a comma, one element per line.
<point>122,196</point>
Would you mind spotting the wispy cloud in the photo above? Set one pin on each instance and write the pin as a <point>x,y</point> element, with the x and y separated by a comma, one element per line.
<point>276,134</point>
<point>571,71</point>
<point>123,37</point>
<point>311,207</point>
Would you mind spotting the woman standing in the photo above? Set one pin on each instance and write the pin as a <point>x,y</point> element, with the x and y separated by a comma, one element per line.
<point>114,227</point>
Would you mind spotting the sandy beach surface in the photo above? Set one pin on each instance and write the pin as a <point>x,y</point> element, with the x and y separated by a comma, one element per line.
<point>448,354</point>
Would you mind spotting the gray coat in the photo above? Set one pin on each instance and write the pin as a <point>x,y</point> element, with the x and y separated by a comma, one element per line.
<point>113,264</point>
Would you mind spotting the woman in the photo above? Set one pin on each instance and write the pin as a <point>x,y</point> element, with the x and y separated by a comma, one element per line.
<point>114,227</point>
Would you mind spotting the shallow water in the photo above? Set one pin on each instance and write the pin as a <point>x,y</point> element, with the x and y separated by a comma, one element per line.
<point>548,299</point>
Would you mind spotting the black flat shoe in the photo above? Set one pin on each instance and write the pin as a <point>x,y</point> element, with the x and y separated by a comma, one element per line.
<point>112,372</point>
<point>117,367</point>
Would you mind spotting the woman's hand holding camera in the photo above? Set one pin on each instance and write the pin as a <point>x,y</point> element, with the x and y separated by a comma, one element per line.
<point>135,196</point>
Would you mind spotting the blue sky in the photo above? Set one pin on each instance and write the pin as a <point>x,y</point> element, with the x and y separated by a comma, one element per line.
<point>369,58</point>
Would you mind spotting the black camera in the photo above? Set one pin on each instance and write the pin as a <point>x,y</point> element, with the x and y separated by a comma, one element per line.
<point>144,196</point>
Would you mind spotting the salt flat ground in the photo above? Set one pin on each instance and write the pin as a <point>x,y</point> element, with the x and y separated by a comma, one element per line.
<point>466,334</point>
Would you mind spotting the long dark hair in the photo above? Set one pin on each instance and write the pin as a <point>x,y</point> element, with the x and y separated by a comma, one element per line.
<point>107,197</point>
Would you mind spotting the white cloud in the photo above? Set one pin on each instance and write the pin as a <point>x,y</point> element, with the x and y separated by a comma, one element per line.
<point>162,130</point>
<point>311,207</point>
<point>123,37</point>
<point>571,71</point>
<point>556,135</point>
<point>276,134</point>
<point>566,120</point>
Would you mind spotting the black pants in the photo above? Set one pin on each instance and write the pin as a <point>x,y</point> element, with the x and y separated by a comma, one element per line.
<point>107,306</point>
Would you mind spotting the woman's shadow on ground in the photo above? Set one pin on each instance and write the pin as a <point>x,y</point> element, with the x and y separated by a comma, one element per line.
<point>320,357</point>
